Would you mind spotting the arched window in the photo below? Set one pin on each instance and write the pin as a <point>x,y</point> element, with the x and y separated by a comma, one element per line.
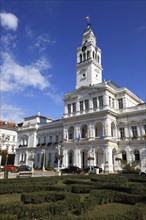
<point>124,156</point>
<point>71,133</point>
<point>84,131</point>
<point>88,54</point>
<point>98,59</point>
<point>84,56</point>
<point>80,58</point>
<point>98,130</point>
<point>112,129</point>
<point>137,155</point>
<point>70,158</point>
<point>93,54</point>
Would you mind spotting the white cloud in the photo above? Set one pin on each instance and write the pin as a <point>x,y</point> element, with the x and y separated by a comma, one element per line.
<point>11,113</point>
<point>9,21</point>
<point>7,41</point>
<point>15,77</point>
<point>39,41</point>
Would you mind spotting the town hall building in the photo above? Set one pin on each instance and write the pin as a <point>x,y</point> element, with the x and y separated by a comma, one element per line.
<point>103,124</point>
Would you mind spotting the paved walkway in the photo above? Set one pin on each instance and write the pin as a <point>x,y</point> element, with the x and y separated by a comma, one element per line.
<point>36,173</point>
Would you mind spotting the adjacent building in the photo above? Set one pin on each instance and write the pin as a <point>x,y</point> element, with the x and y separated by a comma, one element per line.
<point>8,142</point>
<point>103,124</point>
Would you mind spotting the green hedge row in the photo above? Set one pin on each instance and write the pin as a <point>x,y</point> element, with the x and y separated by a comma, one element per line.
<point>29,188</point>
<point>40,197</point>
<point>42,211</point>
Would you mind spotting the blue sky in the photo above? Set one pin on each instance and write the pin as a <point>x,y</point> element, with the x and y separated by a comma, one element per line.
<point>38,51</point>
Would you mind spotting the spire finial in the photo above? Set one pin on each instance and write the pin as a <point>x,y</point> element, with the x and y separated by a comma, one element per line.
<point>88,22</point>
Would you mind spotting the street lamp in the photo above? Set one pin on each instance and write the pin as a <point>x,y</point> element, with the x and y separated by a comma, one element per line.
<point>43,158</point>
<point>90,158</point>
<point>59,155</point>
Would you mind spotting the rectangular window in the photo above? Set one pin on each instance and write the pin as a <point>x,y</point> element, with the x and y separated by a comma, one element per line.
<point>134,131</point>
<point>50,139</point>
<point>86,104</point>
<point>110,101</point>
<point>100,101</point>
<point>120,101</point>
<point>74,107</point>
<point>95,102</point>
<point>81,106</point>
<point>122,133</point>
<point>69,108</point>
<point>113,103</point>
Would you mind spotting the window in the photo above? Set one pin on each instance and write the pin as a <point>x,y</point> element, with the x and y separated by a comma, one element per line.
<point>38,157</point>
<point>124,156</point>
<point>113,103</point>
<point>134,131</point>
<point>80,58</point>
<point>98,58</point>
<point>44,140</point>
<point>13,148</point>
<point>88,54</point>
<point>120,101</point>
<point>100,101</point>
<point>83,75</point>
<point>69,108</point>
<point>122,133</point>
<point>14,138</point>
<point>95,102</point>
<point>110,101</point>
<point>81,106</point>
<point>50,157</point>
<point>137,155</point>
<point>86,104</point>
<point>74,107</point>
<point>50,139</point>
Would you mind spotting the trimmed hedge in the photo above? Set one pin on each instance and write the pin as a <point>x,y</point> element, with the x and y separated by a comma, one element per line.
<point>40,197</point>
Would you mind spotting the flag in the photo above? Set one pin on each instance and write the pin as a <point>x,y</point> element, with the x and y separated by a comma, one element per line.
<point>66,137</point>
<point>79,137</point>
<point>87,18</point>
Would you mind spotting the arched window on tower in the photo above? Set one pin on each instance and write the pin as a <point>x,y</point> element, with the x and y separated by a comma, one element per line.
<point>137,155</point>
<point>98,59</point>
<point>80,58</point>
<point>93,54</point>
<point>88,54</point>
<point>84,56</point>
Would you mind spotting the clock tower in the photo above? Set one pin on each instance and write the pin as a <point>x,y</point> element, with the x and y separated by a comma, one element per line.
<point>88,69</point>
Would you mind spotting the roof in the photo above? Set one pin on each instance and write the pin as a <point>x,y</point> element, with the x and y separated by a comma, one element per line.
<point>6,124</point>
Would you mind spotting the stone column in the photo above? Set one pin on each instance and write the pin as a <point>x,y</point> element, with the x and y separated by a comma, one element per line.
<point>109,160</point>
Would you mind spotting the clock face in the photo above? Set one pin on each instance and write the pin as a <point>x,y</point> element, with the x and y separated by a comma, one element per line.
<point>84,48</point>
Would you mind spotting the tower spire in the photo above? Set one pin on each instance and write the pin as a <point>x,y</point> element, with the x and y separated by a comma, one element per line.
<point>88,22</point>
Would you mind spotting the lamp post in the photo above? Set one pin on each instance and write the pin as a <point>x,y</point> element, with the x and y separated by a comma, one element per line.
<point>43,158</point>
<point>90,158</point>
<point>59,155</point>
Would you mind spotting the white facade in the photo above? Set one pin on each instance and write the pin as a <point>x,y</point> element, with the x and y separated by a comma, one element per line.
<point>8,140</point>
<point>101,121</point>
